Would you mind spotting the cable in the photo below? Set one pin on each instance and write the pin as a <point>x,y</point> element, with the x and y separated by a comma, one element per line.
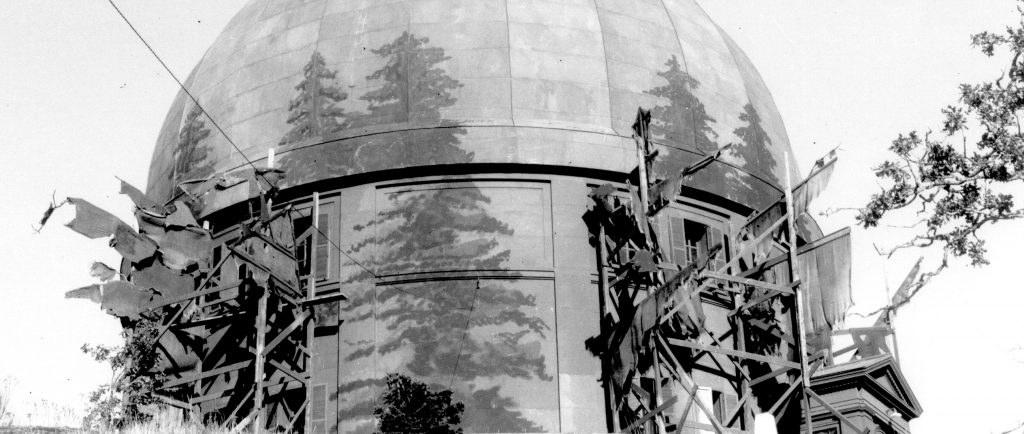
<point>465,331</point>
<point>184,89</point>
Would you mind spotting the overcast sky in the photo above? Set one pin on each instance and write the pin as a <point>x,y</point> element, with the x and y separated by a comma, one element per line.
<point>81,101</point>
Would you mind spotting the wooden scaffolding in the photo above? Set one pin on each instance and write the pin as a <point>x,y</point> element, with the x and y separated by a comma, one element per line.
<point>653,328</point>
<point>247,329</point>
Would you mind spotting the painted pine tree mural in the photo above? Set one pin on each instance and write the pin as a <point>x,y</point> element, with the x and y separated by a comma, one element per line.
<point>192,159</point>
<point>455,332</point>
<point>315,116</point>
<point>682,117</point>
<point>474,336</point>
<point>414,89</point>
<point>756,143</point>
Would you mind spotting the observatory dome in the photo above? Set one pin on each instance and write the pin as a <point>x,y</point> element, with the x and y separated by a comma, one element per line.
<point>347,87</point>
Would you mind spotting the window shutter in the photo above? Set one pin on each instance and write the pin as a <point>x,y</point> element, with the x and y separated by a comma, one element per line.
<point>323,247</point>
<point>318,408</point>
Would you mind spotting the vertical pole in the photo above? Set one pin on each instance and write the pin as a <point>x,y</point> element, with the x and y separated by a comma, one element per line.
<point>606,304</point>
<point>261,332</point>
<point>741,345</point>
<point>314,238</point>
<point>658,424</point>
<point>801,327</point>
<point>261,337</point>
<point>890,315</point>
<point>310,292</point>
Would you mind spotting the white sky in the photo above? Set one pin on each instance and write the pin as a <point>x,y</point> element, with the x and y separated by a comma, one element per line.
<point>81,101</point>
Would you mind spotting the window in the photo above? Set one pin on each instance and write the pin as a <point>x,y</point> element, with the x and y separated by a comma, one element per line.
<point>313,256</point>
<point>688,238</point>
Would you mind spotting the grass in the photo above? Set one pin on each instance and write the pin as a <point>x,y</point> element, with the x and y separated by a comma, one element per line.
<point>171,421</point>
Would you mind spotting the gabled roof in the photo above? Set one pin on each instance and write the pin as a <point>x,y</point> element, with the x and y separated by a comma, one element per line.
<point>879,375</point>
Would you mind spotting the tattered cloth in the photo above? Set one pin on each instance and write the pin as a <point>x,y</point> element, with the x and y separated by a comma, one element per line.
<point>824,269</point>
<point>94,222</point>
<point>118,298</point>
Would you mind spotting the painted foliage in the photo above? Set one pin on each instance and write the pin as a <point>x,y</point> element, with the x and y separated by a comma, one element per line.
<point>683,115</point>
<point>314,116</point>
<point>326,141</point>
<point>755,145</point>
<point>192,157</point>
<point>485,339</point>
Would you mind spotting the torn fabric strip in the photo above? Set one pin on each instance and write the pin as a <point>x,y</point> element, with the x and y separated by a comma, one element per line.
<point>91,293</point>
<point>102,271</point>
<point>170,283</point>
<point>123,299</point>
<point>139,198</point>
<point>94,222</point>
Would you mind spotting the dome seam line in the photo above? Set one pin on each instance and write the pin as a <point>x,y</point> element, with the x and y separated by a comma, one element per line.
<point>607,70</point>
<point>508,46</point>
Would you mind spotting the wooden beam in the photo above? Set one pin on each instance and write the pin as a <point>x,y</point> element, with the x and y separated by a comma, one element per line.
<point>608,307</point>
<point>325,299</point>
<point>206,374</point>
<point>287,331</point>
<point>261,340</point>
<point>190,296</point>
<point>298,413</point>
<point>749,304</point>
<point>241,403</point>
<point>740,407</point>
<point>774,331</point>
<point>303,378</point>
<point>253,262</point>
<point>770,375</point>
<point>734,353</point>
<point>657,410</point>
<point>748,246</point>
<point>690,386</point>
<point>785,396</point>
<point>242,424</point>
<point>285,385</point>
<point>190,299</point>
<point>863,330</point>
<point>785,289</point>
<point>173,402</point>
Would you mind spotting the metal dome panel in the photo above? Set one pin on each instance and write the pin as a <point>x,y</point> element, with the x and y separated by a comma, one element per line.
<point>342,87</point>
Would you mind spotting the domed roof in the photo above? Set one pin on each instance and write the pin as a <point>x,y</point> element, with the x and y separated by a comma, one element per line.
<point>341,87</point>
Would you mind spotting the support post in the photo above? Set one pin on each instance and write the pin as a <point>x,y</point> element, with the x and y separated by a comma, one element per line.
<point>261,336</point>
<point>313,240</point>
<point>310,293</point>
<point>642,145</point>
<point>801,334</point>
<point>741,345</point>
<point>605,300</point>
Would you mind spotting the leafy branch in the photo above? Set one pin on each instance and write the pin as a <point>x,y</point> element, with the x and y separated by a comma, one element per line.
<point>956,189</point>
